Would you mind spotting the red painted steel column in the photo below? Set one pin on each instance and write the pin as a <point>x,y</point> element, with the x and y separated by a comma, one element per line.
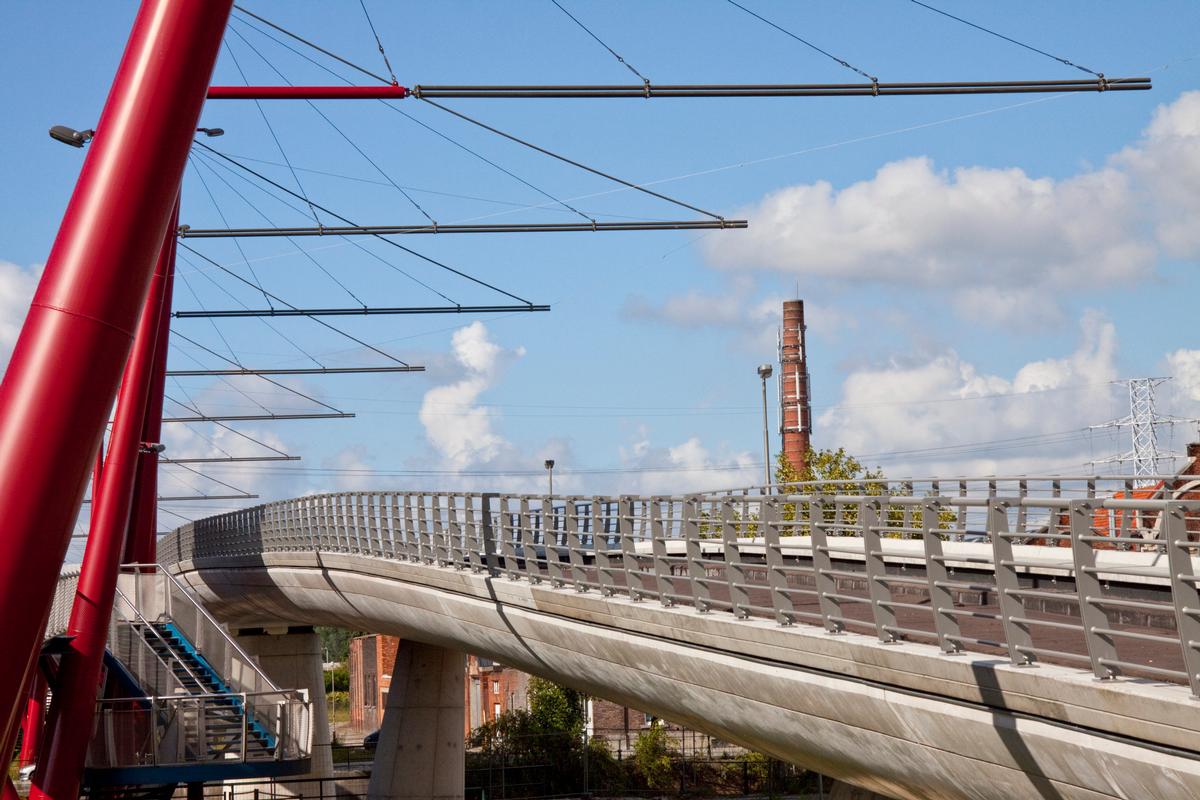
<point>68,725</point>
<point>141,542</point>
<point>31,725</point>
<point>64,370</point>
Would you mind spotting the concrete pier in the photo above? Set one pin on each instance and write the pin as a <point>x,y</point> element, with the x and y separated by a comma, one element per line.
<point>420,752</point>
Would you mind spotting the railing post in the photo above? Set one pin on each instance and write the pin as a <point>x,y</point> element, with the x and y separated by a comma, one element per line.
<point>457,546</point>
<point>474,534</point>
<point>1102,651</point>
<point>735,575</point>
<point>626,527</point>
<point>575,545</point>
<point>528,545</point>
<point>554,564</point>
<point>489,535</point>
<point>1017,638</point>
<point>412,550</point>
<point>941,597</point>
<point>663,579</point>
<point>245,724</point>
<point>441,547</point>
<point>781,598</point>
<point>1184,590</point>
<point>831,607</point>
<point>879,590</point>
<point>697,574</point>
<point>604,567</point>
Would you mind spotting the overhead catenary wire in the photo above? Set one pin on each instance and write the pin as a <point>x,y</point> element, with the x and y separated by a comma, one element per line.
<point>190,406</point>
<point>601,42</point>
<point>217,207</point>
<point>998,35</point>
<point>805,42</point>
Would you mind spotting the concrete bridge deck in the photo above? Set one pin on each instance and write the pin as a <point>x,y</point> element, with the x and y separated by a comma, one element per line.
<point>603,614</point>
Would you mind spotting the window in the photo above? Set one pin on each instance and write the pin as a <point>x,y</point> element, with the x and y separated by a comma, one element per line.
<point>495,687</point>
<point>495,710</point>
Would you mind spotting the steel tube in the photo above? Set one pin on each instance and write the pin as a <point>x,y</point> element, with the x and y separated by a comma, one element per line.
<point>68,359</point>
<point>351,312</point>
<point>141,540</point>
<point>186,232</point>
<point>31,725</point>
<point>388,92</point>
<point>649,91</point>
<point>226,459</point>
<point>259,417</point>
<point>73,702</point>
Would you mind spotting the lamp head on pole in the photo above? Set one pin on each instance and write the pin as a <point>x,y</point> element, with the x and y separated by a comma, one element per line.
<point>765,371</point>
<point>549,463</point>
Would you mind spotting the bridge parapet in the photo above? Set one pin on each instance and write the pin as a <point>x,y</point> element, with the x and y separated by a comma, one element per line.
<point>1090,572</point>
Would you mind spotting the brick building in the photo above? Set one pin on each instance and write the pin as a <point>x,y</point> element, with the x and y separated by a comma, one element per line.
<point>371,661</point>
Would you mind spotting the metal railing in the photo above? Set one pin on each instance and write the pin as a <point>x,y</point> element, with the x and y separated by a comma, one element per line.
<point>1094,572</point>
<point>199,728</point>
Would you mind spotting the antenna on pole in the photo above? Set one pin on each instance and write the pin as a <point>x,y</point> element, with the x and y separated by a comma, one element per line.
<point>1142,422</point>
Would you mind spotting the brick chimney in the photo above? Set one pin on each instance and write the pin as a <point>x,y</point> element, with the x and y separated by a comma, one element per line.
<point>795,409</point>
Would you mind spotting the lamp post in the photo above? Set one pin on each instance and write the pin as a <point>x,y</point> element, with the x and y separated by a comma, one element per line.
<point>549,464</point>
<point>764,372</point>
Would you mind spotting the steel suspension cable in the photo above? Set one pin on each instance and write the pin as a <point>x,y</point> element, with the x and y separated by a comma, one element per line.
<point>217,206</point>
<point>262,112</point>
<point>424,125</point>
<point>321,322</point>
<point>570,161</point>
<point>601,42</point>
<point>998,35</point>
<point>196,298</point>
<point>196,410</point>
<point>381,237</point>
<point>309,256</point>
<point>262,377</point>
<point>805,42</point>
<point>379,43</point>
<point>307,43</point>
<point>339,131</point>
<point>209,160</point>
<point>234,298</point>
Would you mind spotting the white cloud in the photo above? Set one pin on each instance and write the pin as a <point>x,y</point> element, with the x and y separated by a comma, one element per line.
<point>915,225</point>
<point>1166,163</point>
<point>1002,243</point>
<point>459,430</point>
<point>900,413</point>
<point>1185,367</point>
<point>17,285</point>
<point>685,467</point>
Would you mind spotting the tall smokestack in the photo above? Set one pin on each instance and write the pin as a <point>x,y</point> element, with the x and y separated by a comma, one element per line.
<point>795,408</point>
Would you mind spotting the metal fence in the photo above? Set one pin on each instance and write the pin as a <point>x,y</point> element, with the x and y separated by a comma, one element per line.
<point>1090,571</point>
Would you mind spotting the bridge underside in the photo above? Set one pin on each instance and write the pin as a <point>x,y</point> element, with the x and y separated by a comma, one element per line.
<point>899,719</point>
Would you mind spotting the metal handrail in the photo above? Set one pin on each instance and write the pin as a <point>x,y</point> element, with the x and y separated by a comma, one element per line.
<point>147,626</point>
<point>250,662</point>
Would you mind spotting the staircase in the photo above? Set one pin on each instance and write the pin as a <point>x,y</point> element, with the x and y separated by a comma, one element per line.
<point>220,719</point>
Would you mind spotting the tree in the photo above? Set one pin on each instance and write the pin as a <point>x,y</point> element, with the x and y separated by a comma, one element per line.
<point>652,755</point>
<point>335,642</point>
<point>845,474</point>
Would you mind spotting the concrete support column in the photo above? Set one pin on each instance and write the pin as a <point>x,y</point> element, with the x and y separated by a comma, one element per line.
<point>420,753</point>
<point>845,791</point>
<point>292,659</point>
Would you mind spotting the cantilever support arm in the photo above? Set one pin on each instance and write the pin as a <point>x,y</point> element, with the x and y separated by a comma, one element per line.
<point>357,311</point>
<point>188,232</point>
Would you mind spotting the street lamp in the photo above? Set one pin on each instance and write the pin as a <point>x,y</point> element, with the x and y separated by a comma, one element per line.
<point>764,372</point>
<point>71,136</point>
<point>549,463</point>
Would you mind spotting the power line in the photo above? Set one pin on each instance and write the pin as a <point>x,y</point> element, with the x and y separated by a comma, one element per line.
<point>1059,59</point>
<point>601,42</point>
<point>805,42</point>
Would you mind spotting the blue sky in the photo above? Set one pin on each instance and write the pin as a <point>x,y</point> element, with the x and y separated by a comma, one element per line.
<point>977,268</point>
